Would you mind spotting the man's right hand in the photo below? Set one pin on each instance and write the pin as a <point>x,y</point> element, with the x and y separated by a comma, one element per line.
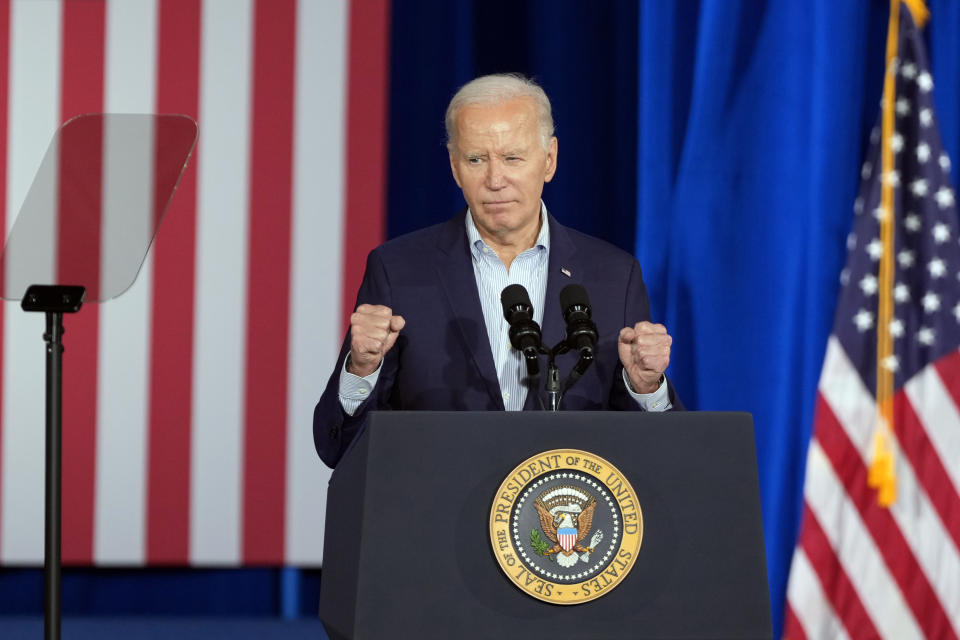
<point>373,331</point>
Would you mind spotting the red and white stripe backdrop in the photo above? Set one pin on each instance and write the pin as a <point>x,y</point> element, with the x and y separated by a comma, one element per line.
<point>188,401</point>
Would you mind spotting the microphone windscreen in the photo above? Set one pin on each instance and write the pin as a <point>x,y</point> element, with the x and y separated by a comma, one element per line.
<point>512,296</point>
<point>573,295</point>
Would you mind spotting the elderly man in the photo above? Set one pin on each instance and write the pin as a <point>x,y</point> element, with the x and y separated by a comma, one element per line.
<point>429,331</point>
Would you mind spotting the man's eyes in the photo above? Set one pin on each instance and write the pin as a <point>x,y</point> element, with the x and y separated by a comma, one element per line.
<point>476,160</point>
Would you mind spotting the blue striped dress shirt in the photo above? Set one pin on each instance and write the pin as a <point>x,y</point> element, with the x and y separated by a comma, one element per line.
<point>528,269</point>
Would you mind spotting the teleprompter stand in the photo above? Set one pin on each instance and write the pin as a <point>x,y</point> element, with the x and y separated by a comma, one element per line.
<point>82,234</point>
<point>54,301</point>
<point>407,549</point>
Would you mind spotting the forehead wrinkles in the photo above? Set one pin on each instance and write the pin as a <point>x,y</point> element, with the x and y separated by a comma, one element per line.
<point>496,127</point>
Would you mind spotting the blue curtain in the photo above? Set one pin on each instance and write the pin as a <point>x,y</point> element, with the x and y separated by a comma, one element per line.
<point>753,120</point>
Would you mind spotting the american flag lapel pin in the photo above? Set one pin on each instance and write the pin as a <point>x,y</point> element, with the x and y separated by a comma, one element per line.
<point>565,271</point>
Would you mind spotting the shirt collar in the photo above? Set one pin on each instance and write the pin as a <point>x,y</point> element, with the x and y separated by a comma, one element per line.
<point>542,242</point>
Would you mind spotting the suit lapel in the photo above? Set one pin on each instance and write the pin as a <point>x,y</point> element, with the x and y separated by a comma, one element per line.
<point>455,271</point>
<point>563,269</point>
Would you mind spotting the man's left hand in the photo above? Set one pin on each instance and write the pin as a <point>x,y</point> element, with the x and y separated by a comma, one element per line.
<point>645,354</point>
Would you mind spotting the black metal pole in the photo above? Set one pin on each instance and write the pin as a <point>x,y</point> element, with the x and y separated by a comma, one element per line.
<point>52,561</point>
<point>54,301</point>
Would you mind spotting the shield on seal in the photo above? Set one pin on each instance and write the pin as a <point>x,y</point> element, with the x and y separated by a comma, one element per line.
<point>567,537</point>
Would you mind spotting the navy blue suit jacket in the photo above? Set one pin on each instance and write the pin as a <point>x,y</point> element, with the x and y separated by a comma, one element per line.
<point>442,359</point>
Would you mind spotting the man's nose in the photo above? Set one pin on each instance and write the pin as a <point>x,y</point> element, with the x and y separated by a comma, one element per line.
<point>495,176</point>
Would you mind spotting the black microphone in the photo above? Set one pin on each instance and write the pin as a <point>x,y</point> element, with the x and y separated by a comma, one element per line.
<point>581,331</point>
<point>524,331</point>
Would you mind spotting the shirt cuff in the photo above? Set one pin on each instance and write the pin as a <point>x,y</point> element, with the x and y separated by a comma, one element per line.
<point>659,400</point>
<point>354,390</point>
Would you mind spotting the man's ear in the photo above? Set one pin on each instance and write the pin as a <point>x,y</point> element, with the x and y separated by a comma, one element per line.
<point>453,165</point>
<point>551,167</point>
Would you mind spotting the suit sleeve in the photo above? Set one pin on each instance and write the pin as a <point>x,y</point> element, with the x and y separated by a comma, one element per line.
<point>333,429</point>
<point>636,309</point>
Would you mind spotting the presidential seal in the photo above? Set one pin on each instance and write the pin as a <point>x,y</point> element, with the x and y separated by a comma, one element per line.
<point>566,526</point>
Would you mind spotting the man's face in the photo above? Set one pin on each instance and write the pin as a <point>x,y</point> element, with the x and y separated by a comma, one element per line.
<point>501,167</point>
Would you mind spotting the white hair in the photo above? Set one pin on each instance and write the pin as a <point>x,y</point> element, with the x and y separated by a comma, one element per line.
<point>496,89</point>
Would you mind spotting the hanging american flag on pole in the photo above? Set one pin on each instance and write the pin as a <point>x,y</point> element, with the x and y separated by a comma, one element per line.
<point>878,554</point>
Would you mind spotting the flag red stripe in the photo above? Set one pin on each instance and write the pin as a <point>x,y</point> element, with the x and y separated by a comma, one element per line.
<point>81,92</point>
<point>366,141</point>
<point>899,558</point>
<point>171,343</point>
<point>268,295</point>
<point>4,82</point>
<point>843,596</point>
<point>927,464</point>
<point>792,629</point>
<point>949,369</point>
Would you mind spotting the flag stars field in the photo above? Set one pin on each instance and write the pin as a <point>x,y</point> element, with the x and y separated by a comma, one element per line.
<point>896,328</point>
<point>941,233</point>
<point>944,197</point>
<point>901,293</point>
<point>863,320</point>
<point>930,302</point>
<point>896,142</point>
<point>937,268</point>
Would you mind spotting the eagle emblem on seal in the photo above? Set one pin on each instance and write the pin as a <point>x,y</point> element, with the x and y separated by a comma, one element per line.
<point>566,517</point>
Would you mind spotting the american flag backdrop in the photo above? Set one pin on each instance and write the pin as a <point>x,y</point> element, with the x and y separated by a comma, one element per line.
<point>188,401</point>
<point>862,570</point>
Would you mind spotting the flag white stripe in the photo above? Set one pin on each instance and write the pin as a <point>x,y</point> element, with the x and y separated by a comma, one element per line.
<point>316,258</point>
<point>124,329</point>
<point>856,550</point>
<point>809,602</point>
<point>938,413</point>
<point>221,283</point>
<point>33,115</point>
<point>851,402</point>
<point>913,513</point>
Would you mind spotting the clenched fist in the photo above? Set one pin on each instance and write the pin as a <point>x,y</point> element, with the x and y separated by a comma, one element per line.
<point>645,354</point>
<point>373,331</point>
